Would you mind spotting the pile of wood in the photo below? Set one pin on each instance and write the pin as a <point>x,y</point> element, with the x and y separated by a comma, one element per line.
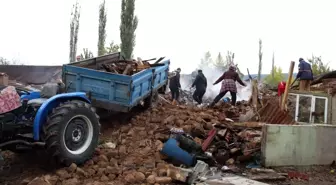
<point>117,64</point>
<point>128,67</point>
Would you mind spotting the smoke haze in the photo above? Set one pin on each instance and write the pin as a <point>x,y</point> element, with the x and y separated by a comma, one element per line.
<point>212,74</point>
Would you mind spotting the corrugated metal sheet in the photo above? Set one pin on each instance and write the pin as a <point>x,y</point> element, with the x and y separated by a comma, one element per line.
<point>272,114</point>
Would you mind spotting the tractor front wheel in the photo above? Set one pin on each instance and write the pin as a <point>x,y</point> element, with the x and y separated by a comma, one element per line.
<point>72,132</point>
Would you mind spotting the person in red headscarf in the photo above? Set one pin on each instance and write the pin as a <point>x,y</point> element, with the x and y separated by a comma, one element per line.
<point>228,80</point>
<point>281,90</point>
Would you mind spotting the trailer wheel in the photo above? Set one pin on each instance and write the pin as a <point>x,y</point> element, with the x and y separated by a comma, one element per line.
<point>151,100</point>
<point>72,132</point>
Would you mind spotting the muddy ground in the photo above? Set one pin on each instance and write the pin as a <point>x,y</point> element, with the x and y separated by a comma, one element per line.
<point>136,159</point>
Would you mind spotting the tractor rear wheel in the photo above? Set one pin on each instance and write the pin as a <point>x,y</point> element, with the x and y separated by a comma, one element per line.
<point>72,132</point>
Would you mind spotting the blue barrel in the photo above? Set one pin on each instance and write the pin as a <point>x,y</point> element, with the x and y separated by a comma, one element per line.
<point>172,150</point>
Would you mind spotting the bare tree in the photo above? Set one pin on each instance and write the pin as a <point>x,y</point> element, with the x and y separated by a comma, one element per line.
<point>260,60</point>
<point>220,63</point>
<point>206,61</point>
<point>229,59</point>
<point>273,65</point>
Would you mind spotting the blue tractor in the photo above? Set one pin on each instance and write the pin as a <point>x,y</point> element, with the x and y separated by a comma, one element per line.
<point>64,124</point>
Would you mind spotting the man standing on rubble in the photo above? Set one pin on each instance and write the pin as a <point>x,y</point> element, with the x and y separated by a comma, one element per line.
<point>174,86</point>
<point>201,85</point>
<point>229,79</point>
<point>305,75</point>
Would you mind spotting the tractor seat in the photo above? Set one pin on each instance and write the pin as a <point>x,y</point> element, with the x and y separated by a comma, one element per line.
<point>48,90</point>
<point>37,101</point>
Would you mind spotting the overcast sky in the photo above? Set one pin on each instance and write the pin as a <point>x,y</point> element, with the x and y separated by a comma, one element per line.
<point>36,32</point>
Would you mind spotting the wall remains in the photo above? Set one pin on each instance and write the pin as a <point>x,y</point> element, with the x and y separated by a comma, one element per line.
<point>298,145</point>
<point>333,110</point>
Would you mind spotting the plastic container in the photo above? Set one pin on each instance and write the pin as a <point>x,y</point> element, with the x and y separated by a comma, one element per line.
<point>172,150</point>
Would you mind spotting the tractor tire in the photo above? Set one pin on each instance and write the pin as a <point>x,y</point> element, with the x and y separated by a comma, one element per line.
<point>151,100</point>
<point>72,132</point>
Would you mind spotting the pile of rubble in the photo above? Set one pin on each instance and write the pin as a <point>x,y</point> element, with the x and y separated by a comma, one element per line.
<point>132,154</point>
<point>186,98</point>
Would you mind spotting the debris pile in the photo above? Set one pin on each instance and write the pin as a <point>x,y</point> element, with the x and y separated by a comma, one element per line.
<point>186,97</point>
<point>329,85</point>
<point>133,153</point>
<point>323,83</point>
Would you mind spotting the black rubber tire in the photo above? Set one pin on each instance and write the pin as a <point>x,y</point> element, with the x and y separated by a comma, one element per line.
<point>151,100</point>
<point>55,128</point>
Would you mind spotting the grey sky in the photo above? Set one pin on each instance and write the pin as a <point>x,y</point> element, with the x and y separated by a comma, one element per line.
<point>36,32</point>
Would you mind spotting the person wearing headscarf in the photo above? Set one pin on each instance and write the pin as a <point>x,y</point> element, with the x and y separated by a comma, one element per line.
<point>281,91</point>
<point>201,85</point>
<point>175,85</point>
<point>305,75</point>
<point>228,80</point>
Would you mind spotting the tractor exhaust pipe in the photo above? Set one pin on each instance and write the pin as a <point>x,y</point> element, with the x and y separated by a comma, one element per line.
<point>23,142</point>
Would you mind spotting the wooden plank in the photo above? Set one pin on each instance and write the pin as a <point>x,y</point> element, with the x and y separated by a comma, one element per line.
<point>255,94</point>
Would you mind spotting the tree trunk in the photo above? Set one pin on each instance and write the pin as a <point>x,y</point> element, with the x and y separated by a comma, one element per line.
<point>260,59</point>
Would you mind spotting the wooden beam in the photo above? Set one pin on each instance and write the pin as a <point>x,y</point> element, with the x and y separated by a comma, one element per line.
<point>255,94</point>
<point>127,69</point>
<point>289,81</point>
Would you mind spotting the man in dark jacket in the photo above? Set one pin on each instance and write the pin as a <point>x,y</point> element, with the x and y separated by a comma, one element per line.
<point>174,86</point>
<point>229,79</point>
<point>305,75</point>
<point>201,85</point>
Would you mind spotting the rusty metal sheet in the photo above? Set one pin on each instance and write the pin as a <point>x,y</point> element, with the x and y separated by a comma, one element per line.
<point>272,114</point>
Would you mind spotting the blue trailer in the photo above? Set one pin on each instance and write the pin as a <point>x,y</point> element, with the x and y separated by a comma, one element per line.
<point>115,92</point>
